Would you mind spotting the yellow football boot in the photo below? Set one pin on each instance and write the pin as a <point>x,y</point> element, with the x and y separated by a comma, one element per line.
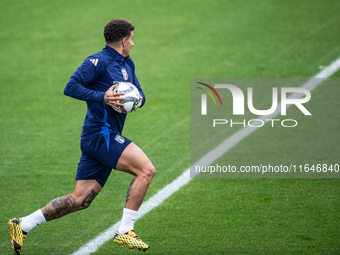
<point>17,235</point>
<point>131,240</point>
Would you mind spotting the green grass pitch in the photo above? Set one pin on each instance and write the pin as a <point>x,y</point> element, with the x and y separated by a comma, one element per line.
<point>43,42</point>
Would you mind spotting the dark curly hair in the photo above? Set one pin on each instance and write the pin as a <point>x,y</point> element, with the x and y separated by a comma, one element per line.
<point>117,29</point>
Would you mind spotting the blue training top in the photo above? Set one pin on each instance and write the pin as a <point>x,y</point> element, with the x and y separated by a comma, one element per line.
<point>90,82</point>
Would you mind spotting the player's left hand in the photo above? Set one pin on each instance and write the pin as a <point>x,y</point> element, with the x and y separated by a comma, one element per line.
<point>140,102</point>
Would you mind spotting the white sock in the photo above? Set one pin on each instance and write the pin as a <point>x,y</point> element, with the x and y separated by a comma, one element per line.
<point>33,220</point>
<point>128,219</point>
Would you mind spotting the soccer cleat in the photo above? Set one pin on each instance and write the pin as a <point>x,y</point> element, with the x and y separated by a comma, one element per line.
<point>131,240</point>
<point>17,235</point>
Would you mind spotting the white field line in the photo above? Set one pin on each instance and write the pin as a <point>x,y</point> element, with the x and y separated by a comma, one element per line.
<point>207,159</point>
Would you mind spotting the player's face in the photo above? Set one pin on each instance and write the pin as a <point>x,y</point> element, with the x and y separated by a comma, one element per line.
<point>127,45</point>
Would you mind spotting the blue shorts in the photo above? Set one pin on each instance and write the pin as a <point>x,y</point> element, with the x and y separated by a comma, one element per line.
<point>100,155</point>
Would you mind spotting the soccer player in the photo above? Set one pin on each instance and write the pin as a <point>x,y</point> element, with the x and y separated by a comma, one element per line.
<point>102,144</point>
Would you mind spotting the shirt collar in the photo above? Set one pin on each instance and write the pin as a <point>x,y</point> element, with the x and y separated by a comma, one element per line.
<point>114,53</point>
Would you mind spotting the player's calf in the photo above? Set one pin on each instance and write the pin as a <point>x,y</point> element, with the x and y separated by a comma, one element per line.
<point>64,205</point>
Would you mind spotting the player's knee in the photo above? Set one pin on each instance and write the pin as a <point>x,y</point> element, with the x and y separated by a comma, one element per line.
<point>149,171</point>
<point>82,203</point>
<point>76,204</point>
<point>85,204</point>
<point>88,200</point>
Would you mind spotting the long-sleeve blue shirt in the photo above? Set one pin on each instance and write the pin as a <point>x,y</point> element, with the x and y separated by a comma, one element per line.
<point>90,82</point>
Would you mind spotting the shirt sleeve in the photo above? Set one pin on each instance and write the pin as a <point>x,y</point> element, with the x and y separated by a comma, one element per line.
<point>77,87</point>
<point>136,83</point>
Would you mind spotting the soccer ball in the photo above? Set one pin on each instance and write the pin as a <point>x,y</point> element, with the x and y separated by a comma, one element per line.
<point>131,97</point>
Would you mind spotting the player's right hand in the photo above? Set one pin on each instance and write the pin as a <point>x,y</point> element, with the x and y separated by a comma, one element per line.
<point>112,99</point>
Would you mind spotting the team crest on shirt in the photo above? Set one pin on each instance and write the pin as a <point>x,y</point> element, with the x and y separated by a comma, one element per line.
<point>119,139</point>
<point>125,74</point>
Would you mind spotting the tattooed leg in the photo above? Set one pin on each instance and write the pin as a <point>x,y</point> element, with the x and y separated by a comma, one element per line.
<point>129,190</point>
<point>135,162</point>
<point>59,207</point>
<point>136,192</point>
<point>64,205</point>
<point>88,199</point>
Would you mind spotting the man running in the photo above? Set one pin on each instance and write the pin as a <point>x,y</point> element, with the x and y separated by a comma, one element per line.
<point>102,144</point>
